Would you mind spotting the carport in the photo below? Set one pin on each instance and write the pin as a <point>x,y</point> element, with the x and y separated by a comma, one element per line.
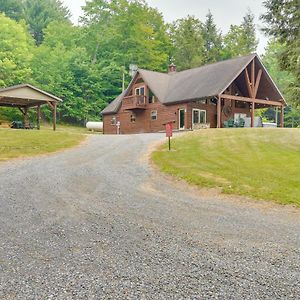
<point>25,97</point>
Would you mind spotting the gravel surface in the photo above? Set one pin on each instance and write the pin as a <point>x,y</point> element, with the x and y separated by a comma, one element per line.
<point>96,222</point>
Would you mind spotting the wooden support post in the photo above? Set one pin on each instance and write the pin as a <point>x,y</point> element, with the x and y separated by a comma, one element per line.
<point>282,117</point>
<point>257,82</point>
<point>54,116</point>
<point>26,118</point>
<point>219,113</point>
<point>253,76</point>
<point>252,114</point>
<point>38,117</point>
<point>21,110</point>
<point>276,115</point>
<point>248,83</point>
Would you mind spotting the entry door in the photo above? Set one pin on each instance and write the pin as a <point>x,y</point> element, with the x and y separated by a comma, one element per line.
<point>181,118</point>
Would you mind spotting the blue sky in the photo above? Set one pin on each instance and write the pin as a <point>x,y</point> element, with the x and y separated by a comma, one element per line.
<point>225,12</point>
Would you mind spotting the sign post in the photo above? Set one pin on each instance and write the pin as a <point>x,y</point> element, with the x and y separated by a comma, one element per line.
<point>169,133</point>
<point>118,127</point>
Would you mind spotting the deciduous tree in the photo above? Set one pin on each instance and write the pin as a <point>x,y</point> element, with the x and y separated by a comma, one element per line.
<point>39,13</point>
<point>15,52</point>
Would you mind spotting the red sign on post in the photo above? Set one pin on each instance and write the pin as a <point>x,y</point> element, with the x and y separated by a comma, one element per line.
<point>169,130</point>
<point>169,133</point>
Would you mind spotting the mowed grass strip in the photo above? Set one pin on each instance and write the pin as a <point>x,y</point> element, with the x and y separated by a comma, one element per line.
<point>23,143</point>
<point>261,163</point>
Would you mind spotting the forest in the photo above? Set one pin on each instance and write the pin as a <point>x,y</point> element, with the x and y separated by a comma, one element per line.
<point>85,64</point>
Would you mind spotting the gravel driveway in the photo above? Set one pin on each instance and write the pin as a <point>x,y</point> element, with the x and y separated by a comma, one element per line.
<point>96,222</point>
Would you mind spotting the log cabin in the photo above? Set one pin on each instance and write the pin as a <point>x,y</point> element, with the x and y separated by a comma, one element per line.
<point>207,96</point>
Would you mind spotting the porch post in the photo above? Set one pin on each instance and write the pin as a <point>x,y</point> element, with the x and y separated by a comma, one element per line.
<point>38,117</point>
<point>276,116</point>
<point>282,117</point>
<point>54,116</point>
<point>219,112</point>
<point>252,114</point>
<point>26,118</point>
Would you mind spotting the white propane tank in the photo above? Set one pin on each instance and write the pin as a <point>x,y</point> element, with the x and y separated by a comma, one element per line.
<point>94,126</point>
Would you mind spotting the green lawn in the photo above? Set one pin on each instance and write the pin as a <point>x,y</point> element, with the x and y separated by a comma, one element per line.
<point>22,143</point>
<point>261,163</point>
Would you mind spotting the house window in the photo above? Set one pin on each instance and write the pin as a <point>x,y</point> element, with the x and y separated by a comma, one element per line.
<point>154,115</point>
<point>199,116</point>
<point>132,118</point>
<point>202,116</point>
<point>140,91</point>
<point>113,121</point>
<point>152,98</point>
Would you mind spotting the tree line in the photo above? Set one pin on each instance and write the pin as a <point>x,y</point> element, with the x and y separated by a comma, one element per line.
<point>84,64</point>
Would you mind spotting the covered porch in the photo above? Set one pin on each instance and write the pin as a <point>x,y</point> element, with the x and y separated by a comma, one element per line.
<point>252,89</point>
<point>25,97</point>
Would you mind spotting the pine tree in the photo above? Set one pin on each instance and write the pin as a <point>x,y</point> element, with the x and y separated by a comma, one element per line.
<point>241,40</point>
<point>188,43</point>
<point>283,20</point>
<point>12,8</point>
<point>212,40</point>
<point>249,33</point>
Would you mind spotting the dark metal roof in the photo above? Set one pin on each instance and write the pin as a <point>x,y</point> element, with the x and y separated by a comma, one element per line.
<point>198,83</point>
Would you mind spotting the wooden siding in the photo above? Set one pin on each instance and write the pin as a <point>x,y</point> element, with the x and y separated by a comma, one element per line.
<point>144,124</point>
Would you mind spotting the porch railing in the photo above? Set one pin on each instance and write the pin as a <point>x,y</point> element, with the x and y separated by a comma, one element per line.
<point>134,102</point>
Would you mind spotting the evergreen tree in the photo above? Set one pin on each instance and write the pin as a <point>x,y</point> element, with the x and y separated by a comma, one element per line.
<point>283,79</point>
<point>213,40</point>
<point>188,43</point>
<point>250,40</point>
<point>12,8</point>
<point>283,19</point>
<point>241,40</point>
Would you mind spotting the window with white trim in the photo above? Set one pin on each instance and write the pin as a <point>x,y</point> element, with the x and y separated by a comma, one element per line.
<point>113,121</point>
<point>154,115</point>
<point>199,116</point>
<point>140,91</point>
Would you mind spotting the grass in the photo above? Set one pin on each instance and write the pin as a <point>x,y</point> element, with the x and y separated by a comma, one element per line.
<point>16,143</point>
<point>260,163</point>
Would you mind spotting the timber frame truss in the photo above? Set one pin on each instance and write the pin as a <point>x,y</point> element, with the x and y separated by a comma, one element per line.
<point>252,82</point>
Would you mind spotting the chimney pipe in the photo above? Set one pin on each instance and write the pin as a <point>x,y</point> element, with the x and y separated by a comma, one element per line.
<point>172,68</point>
